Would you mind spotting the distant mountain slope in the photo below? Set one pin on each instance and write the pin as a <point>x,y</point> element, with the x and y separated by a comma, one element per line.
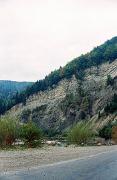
<point>10,88</point>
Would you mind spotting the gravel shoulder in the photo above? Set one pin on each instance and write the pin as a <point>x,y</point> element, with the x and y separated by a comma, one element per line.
<point>25,159</point>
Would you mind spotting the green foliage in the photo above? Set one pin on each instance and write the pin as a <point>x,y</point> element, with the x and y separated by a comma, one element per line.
<point>10,88</point>
<point>82,115</point>
<point>31,134</point>
<point>39,109</point>
<point>112,106</point>
<point>51,133</point>
<point>2,105</point>
<point>99,115</point>
<point>110,80</point>
<point>9,94</point>
<point>11,130</point>
<point>85,103</point>
<point>80,133</point>
<point>106,132</point>
<point>9,127</point>
<point>70,100</point>
<point>25,115</point>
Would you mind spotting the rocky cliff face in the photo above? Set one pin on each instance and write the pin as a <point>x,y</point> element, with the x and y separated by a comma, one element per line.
<point>72,100</point>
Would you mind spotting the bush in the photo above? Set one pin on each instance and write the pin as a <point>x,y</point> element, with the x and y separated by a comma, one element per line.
<point>31,134</point>
<point>8,130</point>
<point>80,134</point>
<point>112,106</point>
<point>106,132</point>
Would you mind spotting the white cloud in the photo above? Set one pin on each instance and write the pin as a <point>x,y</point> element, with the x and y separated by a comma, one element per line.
<point>37,36</point>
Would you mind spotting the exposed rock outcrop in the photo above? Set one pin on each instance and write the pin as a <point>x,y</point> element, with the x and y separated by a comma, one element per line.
<point>71,100</point>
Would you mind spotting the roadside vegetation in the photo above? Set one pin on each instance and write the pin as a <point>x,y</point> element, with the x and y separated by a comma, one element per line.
<point>12,131</point>
<point>8,131</point>
<point>80,134</point>
<point>106,132</point>
<point>83,133</point>
<point>30,134</point>
<point>14,134</point>
<point>109,131</point>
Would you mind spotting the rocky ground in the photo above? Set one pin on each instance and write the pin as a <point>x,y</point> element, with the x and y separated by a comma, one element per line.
<point>25,159</point>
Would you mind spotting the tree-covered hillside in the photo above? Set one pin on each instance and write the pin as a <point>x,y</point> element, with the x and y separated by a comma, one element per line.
<point>99,55</point>
<point>9,89</point>
<point>107,52</point>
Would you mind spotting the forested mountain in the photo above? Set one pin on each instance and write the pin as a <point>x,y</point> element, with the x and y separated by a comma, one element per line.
<point>84,89</point>
<point>104,53</point>
<point>107,52</point>
<point>9,89</point>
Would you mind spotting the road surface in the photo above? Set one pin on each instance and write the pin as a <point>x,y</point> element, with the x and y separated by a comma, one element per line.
<point>102,166</point>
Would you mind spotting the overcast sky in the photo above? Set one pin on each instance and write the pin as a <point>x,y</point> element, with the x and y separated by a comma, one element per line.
<point>38,36</point>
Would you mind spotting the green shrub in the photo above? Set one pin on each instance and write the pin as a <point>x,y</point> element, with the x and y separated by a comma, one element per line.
<point>31,134</point>
<point>80,134</point>
<point>8,130</point>
<point>112,106</point>
<point>25,115</point>
<point>106,132</point>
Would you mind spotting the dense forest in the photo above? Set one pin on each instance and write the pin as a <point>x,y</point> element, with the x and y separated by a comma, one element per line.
<point>8,89</point>
<point>107,52</point>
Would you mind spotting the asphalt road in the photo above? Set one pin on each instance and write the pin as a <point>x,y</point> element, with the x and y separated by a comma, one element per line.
<point>100,167</point>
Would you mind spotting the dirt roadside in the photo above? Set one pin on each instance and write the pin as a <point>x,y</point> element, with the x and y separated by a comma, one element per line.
<point>16,160</point>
